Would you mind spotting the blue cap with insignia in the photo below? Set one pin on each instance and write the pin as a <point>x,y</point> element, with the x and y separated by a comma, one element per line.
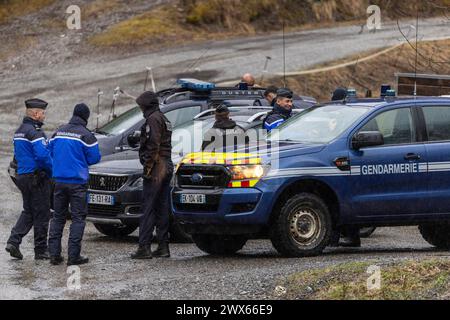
<point>36,104</point>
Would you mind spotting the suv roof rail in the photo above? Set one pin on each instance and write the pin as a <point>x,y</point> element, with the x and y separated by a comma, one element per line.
<point>211,111</point>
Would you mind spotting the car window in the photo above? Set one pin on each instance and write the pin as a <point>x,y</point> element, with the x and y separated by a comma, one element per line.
<point>396,126</point>
<point>181,116</point>
<point>318,125</point>
<point>123,122</point>
<point>437,120</point>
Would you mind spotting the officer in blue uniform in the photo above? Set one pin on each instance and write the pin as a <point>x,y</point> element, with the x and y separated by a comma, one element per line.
<point>73,148</point>
<point>34,169</point>
<point>282,110</point>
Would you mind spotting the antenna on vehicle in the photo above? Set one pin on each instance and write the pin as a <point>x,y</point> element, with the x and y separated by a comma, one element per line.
<point>113,105</point>
<point>417,50</point>
<point>266,66</point>
<point>149,73</point>
<point>284,55</point>
<point>99,94</point>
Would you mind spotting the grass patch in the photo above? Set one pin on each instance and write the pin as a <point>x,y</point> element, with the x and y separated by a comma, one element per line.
<point>10,9</point>
<point>156,26</point>
<point>370,74</point>
<point>409,280</point>
<point>196,20</point>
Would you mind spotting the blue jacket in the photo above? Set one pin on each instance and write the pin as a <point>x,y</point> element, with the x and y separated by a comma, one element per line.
<point>276,118</point>
<point>30,148</point>
<point>73,148</point>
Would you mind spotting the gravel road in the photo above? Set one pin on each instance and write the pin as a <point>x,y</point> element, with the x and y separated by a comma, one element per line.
<point>189,274</point>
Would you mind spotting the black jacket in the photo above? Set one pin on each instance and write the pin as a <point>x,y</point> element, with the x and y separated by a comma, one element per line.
<point>156,139</point>
<point>222,133</point>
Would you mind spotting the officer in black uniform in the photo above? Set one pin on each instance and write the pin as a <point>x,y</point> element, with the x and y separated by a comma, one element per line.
<point>225,135</point>
<point>155,156</point>
<point>34,169</point>
<point>282,110</point>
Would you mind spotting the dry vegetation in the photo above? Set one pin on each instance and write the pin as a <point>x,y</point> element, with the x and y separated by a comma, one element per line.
<point>409,280</point>
<point>370,74</point>
<point>190,20</point>
<point>10,9</point>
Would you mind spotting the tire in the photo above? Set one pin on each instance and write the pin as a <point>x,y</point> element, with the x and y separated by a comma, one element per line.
<point>366,232</point>
<point>437,235</point>
<point>115,231</point>
<point>309,239</point>
<point>177,234</point>
<point>219,245</point>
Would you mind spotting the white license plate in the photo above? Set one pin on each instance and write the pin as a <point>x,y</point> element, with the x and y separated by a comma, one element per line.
<point>101,199</point>
<point>193,198</point>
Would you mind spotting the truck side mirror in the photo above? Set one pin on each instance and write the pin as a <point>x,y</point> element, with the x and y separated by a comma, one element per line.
<point>134,139</point>
<point>366,139</point>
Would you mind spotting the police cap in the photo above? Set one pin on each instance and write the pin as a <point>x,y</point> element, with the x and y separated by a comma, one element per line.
<point>285,93</point>
<point>36,104</point>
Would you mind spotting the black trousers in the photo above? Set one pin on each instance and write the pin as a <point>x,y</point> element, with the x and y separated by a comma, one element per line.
<point>74,195</point>
<point>35,214</point>
<point>155,206</point>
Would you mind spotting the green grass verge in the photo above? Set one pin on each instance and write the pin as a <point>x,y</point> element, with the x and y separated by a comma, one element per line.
<point>409,280</point>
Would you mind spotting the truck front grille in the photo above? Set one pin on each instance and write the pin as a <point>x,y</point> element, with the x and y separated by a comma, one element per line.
<point>202,176</point>
<point>106,183</point>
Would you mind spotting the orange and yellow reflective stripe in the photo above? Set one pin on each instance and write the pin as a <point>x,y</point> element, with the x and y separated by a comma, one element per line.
<point>243,184</point>
<point>221,158</point>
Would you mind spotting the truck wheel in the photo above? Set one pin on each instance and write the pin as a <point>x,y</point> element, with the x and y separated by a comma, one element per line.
<point>219,245</point>
<point>303,228</point>
<point>437,235</point>
<point>366,232</point>
<point>115,231</point>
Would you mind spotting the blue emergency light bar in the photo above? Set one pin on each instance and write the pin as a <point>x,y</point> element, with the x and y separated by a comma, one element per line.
<point>194,84</point>
<point>391,93</point>
<point>351,93</point>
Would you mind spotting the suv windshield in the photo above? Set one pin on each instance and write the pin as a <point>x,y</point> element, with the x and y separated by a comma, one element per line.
<point>122,123</point>
<point>318,125</point>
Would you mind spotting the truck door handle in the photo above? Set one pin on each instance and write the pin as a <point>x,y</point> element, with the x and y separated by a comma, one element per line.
<point>412,156</point>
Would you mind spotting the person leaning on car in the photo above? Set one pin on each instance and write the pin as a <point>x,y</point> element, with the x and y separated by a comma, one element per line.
<point>155,155</point>
<point>73,148</point>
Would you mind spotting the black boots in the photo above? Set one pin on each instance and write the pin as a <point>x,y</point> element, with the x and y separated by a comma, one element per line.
<point>77,261</point>
<point>162,251</point>
<point>56,260</point>
<point>14,251</point>
<point>143,252</point>
<point>42,255</point>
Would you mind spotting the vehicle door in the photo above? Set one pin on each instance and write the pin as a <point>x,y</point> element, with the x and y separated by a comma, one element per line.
<point>390,179</point>
<point>437,124</point>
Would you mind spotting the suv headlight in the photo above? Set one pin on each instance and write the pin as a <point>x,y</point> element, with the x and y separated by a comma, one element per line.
<point>244,176</point>
<point>138,183</point>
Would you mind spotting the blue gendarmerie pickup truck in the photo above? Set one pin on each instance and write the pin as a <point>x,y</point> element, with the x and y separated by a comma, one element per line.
<point>360,162</point>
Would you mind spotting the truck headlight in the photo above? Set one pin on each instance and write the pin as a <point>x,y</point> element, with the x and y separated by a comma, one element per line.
<point>248,172</point>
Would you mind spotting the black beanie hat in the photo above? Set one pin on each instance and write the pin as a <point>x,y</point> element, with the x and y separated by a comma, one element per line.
<point>82,110</point>
<point>148,100</point>
<point>339,94</point>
